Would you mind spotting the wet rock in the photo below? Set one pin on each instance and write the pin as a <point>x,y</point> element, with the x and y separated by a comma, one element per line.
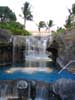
<point>33,90</point>
<point>65,88</point>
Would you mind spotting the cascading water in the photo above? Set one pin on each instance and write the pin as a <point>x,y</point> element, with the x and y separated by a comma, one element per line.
<point>25,89</point>
<point>18,49</point>
<point>7,90</point>
<point>35,54</point>
<point>42,92</point>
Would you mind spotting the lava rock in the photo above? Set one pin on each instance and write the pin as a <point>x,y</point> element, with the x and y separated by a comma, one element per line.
<point>65,88</point>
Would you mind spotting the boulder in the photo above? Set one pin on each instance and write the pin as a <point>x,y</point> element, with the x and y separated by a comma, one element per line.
<point>65,88</point>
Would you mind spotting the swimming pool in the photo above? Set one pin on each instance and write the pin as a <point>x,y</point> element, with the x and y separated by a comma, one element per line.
<point>46,74</point>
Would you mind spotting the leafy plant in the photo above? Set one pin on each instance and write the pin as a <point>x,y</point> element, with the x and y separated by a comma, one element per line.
<point>27,15</point>
<point>6,14</point>
<point>15,27</point>
<point>41,25</point>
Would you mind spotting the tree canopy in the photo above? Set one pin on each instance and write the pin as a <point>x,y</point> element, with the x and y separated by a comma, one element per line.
<point>41,25</point>
<point>73,8</point>
<point>70,22</point>
<point>6,14</point>
<point>26,10</point>
<point>15,28</point>
<point>49,24</point>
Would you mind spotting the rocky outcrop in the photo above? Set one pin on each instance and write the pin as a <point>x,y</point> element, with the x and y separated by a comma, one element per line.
<point>66,50</point>
<point>18,52</point>
<point>65,88</point>
<point>5,35</point>
<point>11,48</point>
<point>5,54</point>
<point>66,43</point>
<point>53,48</point>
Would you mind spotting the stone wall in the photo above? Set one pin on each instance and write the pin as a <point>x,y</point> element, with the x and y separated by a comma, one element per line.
<point>18,49</point>
<point>65,88</point>
<point>66,43</point>
<point>5,54</point>
<point>12,52</point>
<point>65,46</point>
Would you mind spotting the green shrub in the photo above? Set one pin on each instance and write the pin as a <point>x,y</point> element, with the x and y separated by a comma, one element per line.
<point>15,27</point>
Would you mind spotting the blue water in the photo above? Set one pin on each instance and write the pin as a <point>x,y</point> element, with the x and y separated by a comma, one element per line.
<point>40,76</point>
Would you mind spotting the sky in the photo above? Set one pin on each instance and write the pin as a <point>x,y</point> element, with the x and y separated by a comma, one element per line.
<point>42,10</point>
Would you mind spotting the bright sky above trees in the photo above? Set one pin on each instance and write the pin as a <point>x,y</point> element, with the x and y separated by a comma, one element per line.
<point>42,10</point>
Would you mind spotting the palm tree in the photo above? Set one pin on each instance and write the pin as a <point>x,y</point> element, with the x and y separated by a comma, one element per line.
<point>49,24</point>
<point>41,25</point>
<point>73,13</point>
<point>26,10</point>
<point>70,22</point>
<point>73,8</point>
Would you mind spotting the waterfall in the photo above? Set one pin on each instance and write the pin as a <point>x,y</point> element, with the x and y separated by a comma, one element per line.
<point>7,90</point>
<point>35,45</point>
<point>35,50</point>
<point>3,90</point>
<point>35,53</point>
<point>18,49</point>
<point>41,92</point>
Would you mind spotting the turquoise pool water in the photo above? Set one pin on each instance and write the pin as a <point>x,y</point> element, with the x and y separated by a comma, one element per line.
<point>51,75</point>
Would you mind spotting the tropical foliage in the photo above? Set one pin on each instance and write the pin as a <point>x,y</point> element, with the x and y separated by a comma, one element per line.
<point>60,30</point>
<point>70,22</point>
<point>73,8</point>
<point>6,14</point>
<point>27,15</point>
<point>15,28</point>
<point>41,25</point>
<point>49,24</point>
<point>8,21</point>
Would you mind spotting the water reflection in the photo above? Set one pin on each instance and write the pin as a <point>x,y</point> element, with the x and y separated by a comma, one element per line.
<point>29,70</point>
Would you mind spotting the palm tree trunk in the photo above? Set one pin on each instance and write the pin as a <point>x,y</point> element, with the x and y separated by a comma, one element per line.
<point>24,23</point>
